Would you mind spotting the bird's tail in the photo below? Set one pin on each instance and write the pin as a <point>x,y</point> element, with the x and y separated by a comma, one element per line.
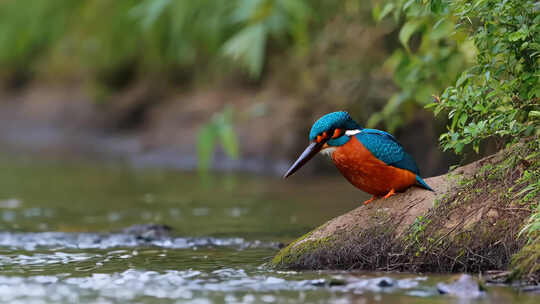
<point>420,182</point>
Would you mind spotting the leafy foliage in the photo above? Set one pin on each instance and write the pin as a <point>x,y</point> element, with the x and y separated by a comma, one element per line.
<point>102,37</point>
<point>260,19</point>
<point>432,57</point>
<point>500,95</point>
<point>24,38</point>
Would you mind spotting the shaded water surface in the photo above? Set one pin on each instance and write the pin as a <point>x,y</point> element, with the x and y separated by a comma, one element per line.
<point>63,239</point>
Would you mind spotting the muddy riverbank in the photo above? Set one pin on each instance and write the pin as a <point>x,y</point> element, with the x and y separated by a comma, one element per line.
<point>469,224</point>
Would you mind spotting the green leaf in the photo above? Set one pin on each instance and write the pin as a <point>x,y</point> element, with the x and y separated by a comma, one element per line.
<point>463,119</point>
<point>431,105</point>
<point>463,78</point>
<point>534,114</point>
<point>149,11</point>
<point>521,34</point>
<point>407,31</point>
<point>229,141</point>
<point>459,147</point>
<point>248,48</point>
<point>436,6</point>
<point>387,9</point>
<point>436,25</point>
<point>408,4</point>
<point>478,107</point>
<point>205,146</point>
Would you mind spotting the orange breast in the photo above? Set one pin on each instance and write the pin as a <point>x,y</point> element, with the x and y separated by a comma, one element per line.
<point>368,173</point>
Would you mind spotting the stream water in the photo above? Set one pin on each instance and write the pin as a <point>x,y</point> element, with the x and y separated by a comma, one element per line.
<point>63,239</point>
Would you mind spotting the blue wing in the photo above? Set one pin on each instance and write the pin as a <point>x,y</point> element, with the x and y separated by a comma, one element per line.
<point>385,147</point>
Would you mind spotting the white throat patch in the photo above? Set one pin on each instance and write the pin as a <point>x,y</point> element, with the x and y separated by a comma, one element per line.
<point>352,132</point>
<point>328,151</point>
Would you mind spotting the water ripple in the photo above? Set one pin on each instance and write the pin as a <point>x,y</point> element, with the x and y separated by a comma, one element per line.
<point>225,285</point>
<point>40,259</point>
<point>34,240</point>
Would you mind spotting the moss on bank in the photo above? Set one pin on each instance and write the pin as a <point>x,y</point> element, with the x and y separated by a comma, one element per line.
<point>527,261</point>
<point>319,252</point>
<point>308,247</point>
<point>473,224</point>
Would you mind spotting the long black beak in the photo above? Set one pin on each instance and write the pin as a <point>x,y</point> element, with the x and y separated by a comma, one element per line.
<point>308,154</point>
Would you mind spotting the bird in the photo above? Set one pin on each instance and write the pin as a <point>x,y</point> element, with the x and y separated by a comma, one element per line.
<point>370,159</point>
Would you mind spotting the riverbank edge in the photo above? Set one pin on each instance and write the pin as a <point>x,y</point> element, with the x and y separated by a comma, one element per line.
<point>469,224</point>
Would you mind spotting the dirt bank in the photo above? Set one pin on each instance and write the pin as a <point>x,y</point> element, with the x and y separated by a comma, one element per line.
<point>469,224</point>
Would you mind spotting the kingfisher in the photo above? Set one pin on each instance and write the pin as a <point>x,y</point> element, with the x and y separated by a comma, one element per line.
<point>372,160</point>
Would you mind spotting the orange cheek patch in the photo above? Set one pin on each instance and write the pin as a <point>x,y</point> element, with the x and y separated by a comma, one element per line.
<point>337,133</point>
<point>321,137</point>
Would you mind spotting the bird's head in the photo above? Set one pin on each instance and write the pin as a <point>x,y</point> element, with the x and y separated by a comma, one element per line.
<point>331,130</point>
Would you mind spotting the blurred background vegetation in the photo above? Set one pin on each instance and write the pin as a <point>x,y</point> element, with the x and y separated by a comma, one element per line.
<point>111,42</point>
<point>281,64</point>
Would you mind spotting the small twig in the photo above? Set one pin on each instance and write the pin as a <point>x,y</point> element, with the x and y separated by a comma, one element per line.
<point>513,209</point>
<point>480,256</point>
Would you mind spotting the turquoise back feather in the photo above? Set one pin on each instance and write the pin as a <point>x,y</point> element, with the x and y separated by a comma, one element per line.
<point>385,147</point>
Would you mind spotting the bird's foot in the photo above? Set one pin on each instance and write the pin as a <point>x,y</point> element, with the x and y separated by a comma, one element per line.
<point>370,200</point>
<point>392,192</point>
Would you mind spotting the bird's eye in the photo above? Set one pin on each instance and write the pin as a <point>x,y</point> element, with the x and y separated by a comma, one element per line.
<point>337,133</point>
